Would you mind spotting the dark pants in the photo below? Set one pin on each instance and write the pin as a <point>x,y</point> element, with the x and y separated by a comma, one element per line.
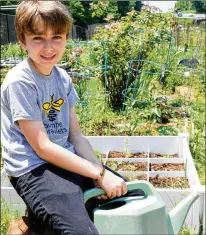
<point>55,198</point>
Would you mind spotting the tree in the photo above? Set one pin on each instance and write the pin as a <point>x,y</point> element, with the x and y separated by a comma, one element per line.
<point>138,5</point>
<point>113,9</point>
<point>200,6</point>
<point>184,5</point>
<point>8,3</point>
<point>80,11</point>
<point>123,7</point>
<point>103,9</point>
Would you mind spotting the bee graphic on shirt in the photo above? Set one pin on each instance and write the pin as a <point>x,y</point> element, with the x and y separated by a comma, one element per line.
<point>51,107</point>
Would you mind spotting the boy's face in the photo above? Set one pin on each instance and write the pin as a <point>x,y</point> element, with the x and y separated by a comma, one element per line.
<point>45,50</point>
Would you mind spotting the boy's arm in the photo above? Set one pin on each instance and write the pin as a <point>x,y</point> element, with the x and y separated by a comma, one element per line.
<point>37,137</point>
<point>80,143</point>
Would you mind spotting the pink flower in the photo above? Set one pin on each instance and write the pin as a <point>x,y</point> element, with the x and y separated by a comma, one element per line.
<point>78,50</point>
<point>115,24</point>
<point>108,26</point>
<point>145,7</point>
<point>131,13</point>
<point>109,17</point>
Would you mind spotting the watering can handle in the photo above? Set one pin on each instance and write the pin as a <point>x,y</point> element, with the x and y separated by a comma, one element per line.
<point>147,187</point>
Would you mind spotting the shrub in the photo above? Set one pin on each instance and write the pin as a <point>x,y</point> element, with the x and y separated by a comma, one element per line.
<point>133,37</point>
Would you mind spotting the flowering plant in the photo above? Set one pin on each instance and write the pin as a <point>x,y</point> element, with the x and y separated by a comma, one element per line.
<point>132,37</point>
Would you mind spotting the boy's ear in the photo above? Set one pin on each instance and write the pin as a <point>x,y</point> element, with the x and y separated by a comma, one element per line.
<point>23,45</point>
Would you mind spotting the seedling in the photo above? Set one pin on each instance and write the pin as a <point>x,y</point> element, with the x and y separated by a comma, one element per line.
<point>127,149</point>
<point>98,154</point>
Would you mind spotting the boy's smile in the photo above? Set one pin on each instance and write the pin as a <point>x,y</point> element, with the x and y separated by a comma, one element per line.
<point>48,58</point>
<point>45,49</point>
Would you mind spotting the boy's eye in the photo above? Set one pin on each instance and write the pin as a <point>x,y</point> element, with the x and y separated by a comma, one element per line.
<point>37,38</point>
<point>57,37</point>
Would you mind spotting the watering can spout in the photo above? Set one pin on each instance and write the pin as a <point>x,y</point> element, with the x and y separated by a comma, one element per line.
<point>178,214</point>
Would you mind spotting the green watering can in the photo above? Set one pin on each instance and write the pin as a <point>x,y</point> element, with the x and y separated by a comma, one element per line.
<point>139,214</point>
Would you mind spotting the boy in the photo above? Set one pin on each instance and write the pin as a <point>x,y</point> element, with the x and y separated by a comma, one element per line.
<point>48,160</point>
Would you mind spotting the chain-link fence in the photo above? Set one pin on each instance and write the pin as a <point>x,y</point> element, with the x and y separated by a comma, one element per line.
<point>79,32</point>
<point>92,28</point>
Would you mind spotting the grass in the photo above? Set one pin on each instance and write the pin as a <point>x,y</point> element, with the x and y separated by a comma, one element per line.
<point>7,215</point>
<point>185,231</point>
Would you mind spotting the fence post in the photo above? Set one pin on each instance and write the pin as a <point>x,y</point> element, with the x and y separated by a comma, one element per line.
<point>178,36</point>
<point>7,26</point>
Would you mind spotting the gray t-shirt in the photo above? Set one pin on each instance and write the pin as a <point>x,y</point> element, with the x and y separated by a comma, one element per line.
<point>27,95</point>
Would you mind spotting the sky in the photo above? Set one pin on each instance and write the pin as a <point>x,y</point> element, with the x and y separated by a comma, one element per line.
<point>163,5</point>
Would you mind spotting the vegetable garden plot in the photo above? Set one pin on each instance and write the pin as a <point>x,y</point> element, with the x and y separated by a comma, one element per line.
<point>161,172</point>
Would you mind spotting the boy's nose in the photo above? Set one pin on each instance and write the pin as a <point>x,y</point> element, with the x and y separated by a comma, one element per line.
<point>47,44</point>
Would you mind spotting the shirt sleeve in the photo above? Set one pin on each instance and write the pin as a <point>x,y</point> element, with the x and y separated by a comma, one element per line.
<point>23,101</point>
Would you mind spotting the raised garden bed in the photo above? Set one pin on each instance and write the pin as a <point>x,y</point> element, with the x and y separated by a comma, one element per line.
<point>129,163</point>
<point>170,167</point>
<point>160,154</point>
<point>161,174</point>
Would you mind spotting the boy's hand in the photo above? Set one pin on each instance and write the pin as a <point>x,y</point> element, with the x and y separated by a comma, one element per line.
<point>113,185</point>
<point>102,197</point>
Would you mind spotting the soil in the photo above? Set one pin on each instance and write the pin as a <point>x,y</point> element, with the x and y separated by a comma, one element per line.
<point>169,182</point>
<point>186,92</point>
<point>127,166</point>
<point>142,166</point>
<point>137,177</point>
<point>102,129</point>
<point>159,155</point>
<point>163,182</point>
<point>116,154</point>
<point>157,182</point>
<point>139,155</point>
<point>167,167</point>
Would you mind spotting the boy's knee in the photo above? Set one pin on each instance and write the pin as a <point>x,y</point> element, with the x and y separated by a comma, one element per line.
<point>90,229</point>
<point>78,227</point>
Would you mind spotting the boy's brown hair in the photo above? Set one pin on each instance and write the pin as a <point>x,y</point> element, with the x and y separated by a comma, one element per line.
<point>51,13</point>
